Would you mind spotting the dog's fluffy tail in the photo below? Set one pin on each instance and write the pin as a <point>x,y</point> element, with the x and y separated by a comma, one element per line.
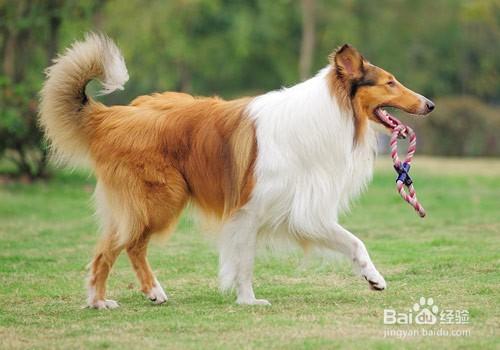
<point>64,104</point>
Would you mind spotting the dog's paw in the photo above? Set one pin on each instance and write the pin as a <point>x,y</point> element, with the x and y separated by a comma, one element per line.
<point>253,302</point>
<point>103,304</point>
<point>157,295</point>
<point>374,279</point>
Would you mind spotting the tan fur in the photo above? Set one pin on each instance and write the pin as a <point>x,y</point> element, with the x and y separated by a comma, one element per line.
<point>155,155</point>
<point>105,256</point>
<point>349,67</point>
<point>339,91</point>
<point>137,255</point>
<point>339,87</point>
<point>150,157</point>
<point>64,91</point>
<point>381,94</point>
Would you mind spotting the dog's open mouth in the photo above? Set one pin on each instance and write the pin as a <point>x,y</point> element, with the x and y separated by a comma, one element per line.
<point>386,119</point>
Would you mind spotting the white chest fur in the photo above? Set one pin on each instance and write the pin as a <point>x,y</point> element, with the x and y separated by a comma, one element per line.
<point>308,168</point>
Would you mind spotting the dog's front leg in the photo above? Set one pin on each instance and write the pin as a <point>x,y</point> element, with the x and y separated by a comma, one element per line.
<point>343,241</point>
<point>237,245</point>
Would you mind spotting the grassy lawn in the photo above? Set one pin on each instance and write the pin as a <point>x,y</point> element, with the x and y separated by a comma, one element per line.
<point>47,234</point>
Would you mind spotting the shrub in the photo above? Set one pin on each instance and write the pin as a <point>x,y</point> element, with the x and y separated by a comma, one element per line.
<point>460,126</point>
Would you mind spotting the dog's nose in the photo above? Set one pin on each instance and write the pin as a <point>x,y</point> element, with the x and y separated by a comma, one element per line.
<point>430,105</point>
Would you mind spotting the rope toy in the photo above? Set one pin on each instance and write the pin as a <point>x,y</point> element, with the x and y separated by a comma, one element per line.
<point>402,168</point>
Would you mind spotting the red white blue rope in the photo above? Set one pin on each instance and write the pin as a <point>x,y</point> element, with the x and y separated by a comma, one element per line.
<point>402,168</point>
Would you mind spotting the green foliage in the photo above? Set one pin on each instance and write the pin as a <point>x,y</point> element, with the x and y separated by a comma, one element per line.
<point>464,127</point>
<point>243,47</point>
<point>29,38</point>
<point>18,126</point>
<point>237,47</point>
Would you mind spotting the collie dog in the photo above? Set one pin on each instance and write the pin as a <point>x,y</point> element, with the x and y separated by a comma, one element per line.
<point>284,163</point>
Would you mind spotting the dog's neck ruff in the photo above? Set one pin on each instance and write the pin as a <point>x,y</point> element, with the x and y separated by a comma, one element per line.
<point>308,168</point>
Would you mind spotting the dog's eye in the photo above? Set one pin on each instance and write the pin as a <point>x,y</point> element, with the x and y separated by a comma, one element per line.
<point>391,83</point>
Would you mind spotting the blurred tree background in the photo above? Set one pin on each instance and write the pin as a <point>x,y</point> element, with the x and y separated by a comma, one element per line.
<point>447,50</point>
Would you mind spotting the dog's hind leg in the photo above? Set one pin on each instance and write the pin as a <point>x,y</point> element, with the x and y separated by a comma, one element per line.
<point>106,253</point>
<point>164,203</point>
<point>237,245</point>
<point>149,284</point>
<point>343,241</point>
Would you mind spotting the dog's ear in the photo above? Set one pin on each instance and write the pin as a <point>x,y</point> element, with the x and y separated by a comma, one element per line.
<point>347,62</point>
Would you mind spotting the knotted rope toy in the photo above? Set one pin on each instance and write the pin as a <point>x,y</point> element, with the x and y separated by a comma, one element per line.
<point>402,168</point>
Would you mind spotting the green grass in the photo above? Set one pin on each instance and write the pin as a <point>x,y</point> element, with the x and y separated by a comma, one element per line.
<point>47,233</point>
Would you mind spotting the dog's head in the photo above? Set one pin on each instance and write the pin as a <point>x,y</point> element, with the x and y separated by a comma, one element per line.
<point>369,89</point>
